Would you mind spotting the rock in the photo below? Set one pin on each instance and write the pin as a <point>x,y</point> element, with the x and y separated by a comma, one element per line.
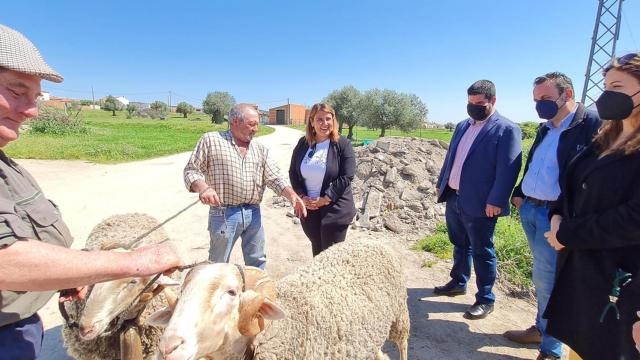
<point>410,171</point>
<point>411,195</point>
<point>383,145</point>
<point>380,157</point>
<point>443,144</point>
<point>364,169</point>
<point>296,220</point>
<point>425,187</point>
<point>373,203</point>
<point>393,225</point>
<point>415,206</point>
<point>291,214</point>
<point>391,176</point>
<point>404,162</point>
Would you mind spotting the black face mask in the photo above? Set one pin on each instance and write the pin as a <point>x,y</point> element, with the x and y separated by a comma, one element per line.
<point>614,105</point>
<point>547,109</point>
<point>477,112</point>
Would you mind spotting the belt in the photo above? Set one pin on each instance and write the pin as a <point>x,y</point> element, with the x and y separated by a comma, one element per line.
<point>538,202</point>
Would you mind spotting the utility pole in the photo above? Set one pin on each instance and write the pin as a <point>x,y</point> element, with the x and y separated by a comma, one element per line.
<point>169,100</point>
<point>93,97</point>
<point>603,48</point>
<point>289,111</point>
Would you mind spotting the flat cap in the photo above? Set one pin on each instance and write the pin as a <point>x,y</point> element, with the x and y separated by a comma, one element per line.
<point>19,54</point>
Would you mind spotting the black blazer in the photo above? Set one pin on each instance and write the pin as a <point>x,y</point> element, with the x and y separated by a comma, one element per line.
<point>341,167</point>
<point>601,232</point>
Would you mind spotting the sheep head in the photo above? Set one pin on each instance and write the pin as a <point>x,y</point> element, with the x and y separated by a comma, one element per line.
<point>109,299</point>
<point>213,313</point>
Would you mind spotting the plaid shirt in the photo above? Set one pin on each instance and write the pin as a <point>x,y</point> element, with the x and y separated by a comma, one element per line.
<point>237,180</point>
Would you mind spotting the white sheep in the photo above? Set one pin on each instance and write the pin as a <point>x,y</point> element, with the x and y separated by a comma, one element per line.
<point>343,305</point>
<point>110,300</point>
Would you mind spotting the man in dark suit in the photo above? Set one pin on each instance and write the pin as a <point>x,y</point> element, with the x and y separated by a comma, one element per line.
<point>476,180</point>
<point>570,127</point>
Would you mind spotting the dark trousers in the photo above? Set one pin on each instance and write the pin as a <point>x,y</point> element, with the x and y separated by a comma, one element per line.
<point>472,238</point>
<point>322,236</point>
<point>21,340</point>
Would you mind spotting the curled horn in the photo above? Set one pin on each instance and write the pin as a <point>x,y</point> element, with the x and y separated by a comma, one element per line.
<point>258,287</point>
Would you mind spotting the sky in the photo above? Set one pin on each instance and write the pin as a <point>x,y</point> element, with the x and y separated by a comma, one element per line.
<point>266,52</point>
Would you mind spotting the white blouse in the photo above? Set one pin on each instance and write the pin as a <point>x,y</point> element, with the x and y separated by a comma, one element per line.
<point>313,168</point>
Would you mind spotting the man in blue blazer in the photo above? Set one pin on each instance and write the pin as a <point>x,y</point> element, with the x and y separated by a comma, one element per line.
<point>476,180</point>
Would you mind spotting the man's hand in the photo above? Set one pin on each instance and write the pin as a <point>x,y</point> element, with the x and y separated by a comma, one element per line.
<point>551,235</point>
<point>517,201</point>
<point>209,197</point>
<point>153,259</point>
<point>78,293</point>
<point>492,211</point>
<point>299,206</point>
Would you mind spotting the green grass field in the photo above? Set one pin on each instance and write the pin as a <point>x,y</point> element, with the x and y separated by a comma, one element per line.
<point>118,139</point>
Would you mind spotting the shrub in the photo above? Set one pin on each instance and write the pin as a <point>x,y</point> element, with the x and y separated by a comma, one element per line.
<point>58,122</point>
<point>512,250</point>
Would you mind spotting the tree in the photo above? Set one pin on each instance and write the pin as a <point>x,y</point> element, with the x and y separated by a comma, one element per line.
<point>110,103</point>
<point>217,104</point>
<point>384,109</point>
<point>159,106</point>
<point>450,126</point>
<point>131,109</point>
<point>529,129</point>
<point>346,103</point>
<point>184,109</point>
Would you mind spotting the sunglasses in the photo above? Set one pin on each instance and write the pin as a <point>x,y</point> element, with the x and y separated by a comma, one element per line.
<point>312,151</point>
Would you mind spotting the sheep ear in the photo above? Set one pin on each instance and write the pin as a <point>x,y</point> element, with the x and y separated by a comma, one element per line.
<point>167,281</point>
<point>271,311</point>
<point>160,318</point>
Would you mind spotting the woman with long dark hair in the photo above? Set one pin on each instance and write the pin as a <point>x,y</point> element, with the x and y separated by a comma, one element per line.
<point>596,228</point>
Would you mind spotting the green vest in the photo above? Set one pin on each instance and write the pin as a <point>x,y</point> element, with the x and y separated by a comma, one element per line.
<point>25,214</point>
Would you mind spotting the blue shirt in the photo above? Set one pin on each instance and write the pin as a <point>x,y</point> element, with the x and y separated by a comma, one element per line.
<point>542,178</point>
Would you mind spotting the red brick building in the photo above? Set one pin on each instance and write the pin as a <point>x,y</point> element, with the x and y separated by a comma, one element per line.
<point>291,114</point>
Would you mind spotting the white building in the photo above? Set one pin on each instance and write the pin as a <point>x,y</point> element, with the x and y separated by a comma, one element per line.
<point>123,100</point>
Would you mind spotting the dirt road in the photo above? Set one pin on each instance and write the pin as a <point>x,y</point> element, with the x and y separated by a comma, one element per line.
<point>87,193</point>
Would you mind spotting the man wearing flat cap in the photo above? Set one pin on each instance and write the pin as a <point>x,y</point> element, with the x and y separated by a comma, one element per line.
<point>34,257</point>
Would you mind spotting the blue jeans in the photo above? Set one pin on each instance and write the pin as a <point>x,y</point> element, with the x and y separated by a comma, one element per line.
<point>472,238</point>
<point>535,222</point>
<point>21,340</point>
<point>227,224</point>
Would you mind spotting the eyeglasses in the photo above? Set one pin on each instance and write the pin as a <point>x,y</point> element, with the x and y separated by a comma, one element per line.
<point>623,60</point>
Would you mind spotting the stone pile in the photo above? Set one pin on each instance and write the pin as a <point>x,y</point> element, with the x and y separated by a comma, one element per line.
<point>395,185</point>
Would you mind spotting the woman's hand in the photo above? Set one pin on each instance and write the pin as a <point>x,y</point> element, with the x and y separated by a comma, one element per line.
<point>551,235</point>
<point>316,203</point>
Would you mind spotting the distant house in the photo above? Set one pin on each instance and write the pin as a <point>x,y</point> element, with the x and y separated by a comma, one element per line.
<point>123,100</point>
<point>264,116</point>
<point>44,96</point>
<point>140,105</point>
<point>289,114</point>
<point>57,102</point>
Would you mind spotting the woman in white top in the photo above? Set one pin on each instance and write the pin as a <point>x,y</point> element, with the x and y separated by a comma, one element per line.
<point>322,167</point>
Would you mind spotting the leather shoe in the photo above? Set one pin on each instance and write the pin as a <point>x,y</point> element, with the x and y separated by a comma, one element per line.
<point>450,289</point>
<point>530,336</point>
<point>545,356</point>
<point>478,311</point>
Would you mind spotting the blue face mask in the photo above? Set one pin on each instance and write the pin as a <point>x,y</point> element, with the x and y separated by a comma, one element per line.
<point>547,109</point>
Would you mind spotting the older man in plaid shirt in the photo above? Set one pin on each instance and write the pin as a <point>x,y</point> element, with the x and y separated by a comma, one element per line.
<point>230,173</point>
